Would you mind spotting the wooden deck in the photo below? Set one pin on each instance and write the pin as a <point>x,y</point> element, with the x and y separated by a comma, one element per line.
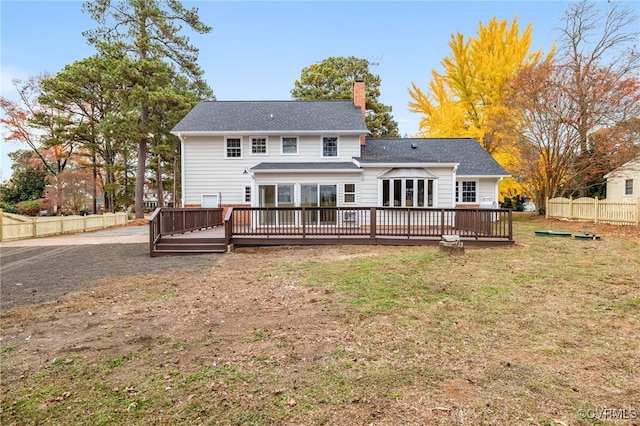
<point>250,227</point>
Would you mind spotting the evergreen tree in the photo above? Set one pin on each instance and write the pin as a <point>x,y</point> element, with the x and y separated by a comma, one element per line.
<point>334,77</point>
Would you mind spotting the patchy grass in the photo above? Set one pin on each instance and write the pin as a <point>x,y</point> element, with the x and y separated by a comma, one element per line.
<point>544,333</point>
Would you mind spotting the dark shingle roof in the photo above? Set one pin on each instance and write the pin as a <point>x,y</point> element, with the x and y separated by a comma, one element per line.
<point>346,166</point>
<point>473,159</point>
<point>273,116</point>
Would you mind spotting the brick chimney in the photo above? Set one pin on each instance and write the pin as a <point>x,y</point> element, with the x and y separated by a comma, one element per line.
<point>360,100</point>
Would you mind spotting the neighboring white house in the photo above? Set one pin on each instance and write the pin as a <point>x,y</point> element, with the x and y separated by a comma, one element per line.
<point>315,153</point>
<point>624,181</point>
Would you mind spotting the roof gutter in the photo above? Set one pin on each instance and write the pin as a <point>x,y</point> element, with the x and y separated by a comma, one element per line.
<point>267,133</point>
<point>299,171</point>
<point>412,164</point>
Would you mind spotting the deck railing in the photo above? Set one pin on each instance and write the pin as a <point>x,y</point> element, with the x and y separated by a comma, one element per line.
<point>370,221</point>
<point>170,221</point>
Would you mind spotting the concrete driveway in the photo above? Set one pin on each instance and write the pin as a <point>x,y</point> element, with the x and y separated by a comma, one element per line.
<point>118,235</point>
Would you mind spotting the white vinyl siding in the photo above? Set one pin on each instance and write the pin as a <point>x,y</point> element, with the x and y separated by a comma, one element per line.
<point>484,188</point>
<point>623,182</point>
<point>296,181</point>
<point>206,169</point>
<point>370,188</point>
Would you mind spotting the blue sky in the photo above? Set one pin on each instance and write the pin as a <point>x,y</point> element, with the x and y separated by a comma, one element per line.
<point>257,50</point>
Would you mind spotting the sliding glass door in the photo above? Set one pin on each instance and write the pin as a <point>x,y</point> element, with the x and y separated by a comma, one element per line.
<point>312,196</point>
<point>276,196</point>
<point>315,195</point>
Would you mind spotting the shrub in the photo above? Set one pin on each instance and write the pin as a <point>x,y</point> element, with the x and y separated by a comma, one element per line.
<point>516,203</point>
<point>30,208</point>
<point>9,208</point>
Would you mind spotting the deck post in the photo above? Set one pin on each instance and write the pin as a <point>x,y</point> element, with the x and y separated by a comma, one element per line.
<point>408,222</point>
<point>441,222</point>
<point>228,227</point>
<point>304,222</point>
<point>372,222</point>
<point>510,225</point>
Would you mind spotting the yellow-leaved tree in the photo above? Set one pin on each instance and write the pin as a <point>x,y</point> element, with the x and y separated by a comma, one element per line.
<point>466,99</point>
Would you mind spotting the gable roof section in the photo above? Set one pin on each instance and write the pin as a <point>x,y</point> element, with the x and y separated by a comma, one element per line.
<point>627,168</point>
<point>473,160</point>
<point>273,117</point>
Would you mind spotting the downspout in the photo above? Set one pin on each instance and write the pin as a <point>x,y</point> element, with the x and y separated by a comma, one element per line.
<point>454,177</point>
<point>182,171</point>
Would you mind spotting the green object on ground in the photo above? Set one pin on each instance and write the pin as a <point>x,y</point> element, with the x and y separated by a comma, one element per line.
<point>587,236</point>
<point>553,233</point>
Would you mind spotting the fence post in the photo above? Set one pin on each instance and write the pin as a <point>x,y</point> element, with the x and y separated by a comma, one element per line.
<point>596,214</point>
<point>546,208</point>
<point>637,211</point>
<point>570,208</point>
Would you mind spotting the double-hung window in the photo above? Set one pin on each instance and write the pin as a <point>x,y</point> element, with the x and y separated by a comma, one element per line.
<point>466,192</point>
<point>628,187</point>
<point>329,146</point>
<point>349,193</point>
<point>290,145</point>
<point>258,145</point>
<point>233,148</point>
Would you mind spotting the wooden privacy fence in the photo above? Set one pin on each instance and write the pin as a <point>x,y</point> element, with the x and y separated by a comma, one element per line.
<point>17,227</point>
<point>615,212</point>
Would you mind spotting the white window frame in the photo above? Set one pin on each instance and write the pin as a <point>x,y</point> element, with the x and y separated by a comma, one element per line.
<point>460,189</point>
<point>352,193</point>
<point>282,145</point>
<point>403,191</point>
<point>322,141</point>
<point>246,191</point>
<point>226,147</point>
<point>266,145</point>
<point>628,187</point>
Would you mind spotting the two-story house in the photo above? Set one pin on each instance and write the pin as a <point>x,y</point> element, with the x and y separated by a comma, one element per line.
<point>316,153</point>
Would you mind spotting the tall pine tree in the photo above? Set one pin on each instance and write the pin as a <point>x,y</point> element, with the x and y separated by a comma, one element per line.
<point>147,31</point>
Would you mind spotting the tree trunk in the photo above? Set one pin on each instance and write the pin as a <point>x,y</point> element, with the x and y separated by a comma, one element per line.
<point>94,206</point>
<point>142,162</point>
<point>160,195</point>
